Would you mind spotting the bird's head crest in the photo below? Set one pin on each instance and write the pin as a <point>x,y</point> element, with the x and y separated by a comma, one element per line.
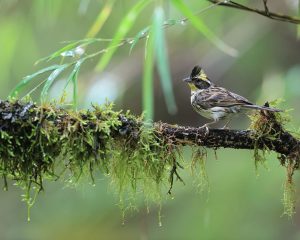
<point>198,79</point>
<point>198,73</point>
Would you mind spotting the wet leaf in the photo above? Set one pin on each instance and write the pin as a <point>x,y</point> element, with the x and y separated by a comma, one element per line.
<point>51,79</point>
<point>26,80</point>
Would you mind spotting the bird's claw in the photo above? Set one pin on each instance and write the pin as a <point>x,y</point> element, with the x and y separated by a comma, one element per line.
<point>206,129</point>
<point>267,12</point>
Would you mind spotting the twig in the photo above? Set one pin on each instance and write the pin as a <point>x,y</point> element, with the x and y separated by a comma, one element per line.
<point>265,12</point>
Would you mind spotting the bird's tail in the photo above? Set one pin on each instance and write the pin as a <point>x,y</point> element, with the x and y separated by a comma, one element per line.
<point>262,108</point>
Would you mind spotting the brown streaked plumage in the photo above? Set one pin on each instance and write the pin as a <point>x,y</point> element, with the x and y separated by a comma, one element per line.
<point>215,102</point>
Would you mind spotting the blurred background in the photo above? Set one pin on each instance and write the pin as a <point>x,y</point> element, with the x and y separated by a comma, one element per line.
<point>241,203</point>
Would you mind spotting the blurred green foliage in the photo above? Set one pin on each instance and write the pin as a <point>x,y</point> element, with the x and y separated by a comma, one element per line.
<point>239,204</point>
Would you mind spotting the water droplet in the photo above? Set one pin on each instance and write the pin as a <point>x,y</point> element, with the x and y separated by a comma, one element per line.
<point>67,54</point>
<point>183,22</point>
<point>79,50</point>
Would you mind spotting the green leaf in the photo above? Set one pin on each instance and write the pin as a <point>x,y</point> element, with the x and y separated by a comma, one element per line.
<point>138,36</point>
<point>26,80</point>
<point>125,25</point>
<point>74,77</point>
<point>74,71</point>
<point>51,79</point>
<point>200,25</point>
<point>148,78</point>
<point>162,59</point>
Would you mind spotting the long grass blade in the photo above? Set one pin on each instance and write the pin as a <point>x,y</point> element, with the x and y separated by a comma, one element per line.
<point>51,79</point>
<point>148,100</point>
<point>125,25</point>
<point>26,80</point>
<point>162,60</point>
<point>200,25</point>
<point>101,19</point>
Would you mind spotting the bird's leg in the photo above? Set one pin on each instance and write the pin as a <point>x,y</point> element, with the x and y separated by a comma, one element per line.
<point>266,8</point>
<point>226,124</point>
<point>206,126</point>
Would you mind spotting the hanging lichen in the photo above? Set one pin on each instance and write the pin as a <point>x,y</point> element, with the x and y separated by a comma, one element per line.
<point>198,167</point>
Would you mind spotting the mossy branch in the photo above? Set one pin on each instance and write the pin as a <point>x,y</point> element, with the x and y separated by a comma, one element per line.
<point>14,114</point>
<point>45,142</point>
<point>284,143</point>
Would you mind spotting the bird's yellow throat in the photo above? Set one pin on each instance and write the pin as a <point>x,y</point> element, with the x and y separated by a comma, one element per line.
<point>192,87</point>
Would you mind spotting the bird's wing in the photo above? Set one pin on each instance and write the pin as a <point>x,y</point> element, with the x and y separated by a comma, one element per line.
<point>220,97</point>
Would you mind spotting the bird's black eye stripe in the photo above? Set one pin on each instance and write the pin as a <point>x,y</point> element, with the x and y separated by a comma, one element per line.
<point>201,84</point>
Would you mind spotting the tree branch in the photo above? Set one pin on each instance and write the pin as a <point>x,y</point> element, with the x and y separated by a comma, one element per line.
<point>265,12</point>
<point>285,143</point>
<point>14,115</point>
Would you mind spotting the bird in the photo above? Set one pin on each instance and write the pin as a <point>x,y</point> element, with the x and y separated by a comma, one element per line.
<point>217,103</point>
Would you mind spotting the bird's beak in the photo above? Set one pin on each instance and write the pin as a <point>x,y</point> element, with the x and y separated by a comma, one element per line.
<point>188,80</point>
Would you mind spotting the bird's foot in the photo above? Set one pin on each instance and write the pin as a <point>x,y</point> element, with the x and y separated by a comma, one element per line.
<point>226,124</point>
<point>205,126</point>
<point>267,12</point>
<point>225,127</point>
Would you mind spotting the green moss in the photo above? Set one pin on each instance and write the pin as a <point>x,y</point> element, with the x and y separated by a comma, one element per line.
<point>262,128</point>
<point>55,143</point>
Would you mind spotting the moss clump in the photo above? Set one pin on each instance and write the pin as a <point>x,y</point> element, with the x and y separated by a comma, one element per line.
<point>266,126</point>
<point>269,125</point>
<point>55,143</point>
